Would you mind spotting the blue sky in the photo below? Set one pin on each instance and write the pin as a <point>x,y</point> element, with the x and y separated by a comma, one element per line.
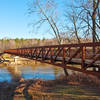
<point>14,20</point>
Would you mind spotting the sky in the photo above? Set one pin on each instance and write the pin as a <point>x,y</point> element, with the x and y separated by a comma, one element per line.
<point>14,20</point>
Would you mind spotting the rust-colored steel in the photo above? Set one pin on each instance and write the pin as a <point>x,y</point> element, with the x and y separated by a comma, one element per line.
<point>64,55</point>
<point>83,56</point>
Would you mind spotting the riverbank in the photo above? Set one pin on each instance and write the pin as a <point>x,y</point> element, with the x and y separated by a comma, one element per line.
<point>74,87</point>
<point>11,60</point>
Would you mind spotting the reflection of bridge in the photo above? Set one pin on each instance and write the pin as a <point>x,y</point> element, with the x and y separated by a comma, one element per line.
<point>66,56</point>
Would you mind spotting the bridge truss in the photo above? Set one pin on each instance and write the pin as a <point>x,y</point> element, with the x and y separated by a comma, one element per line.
<point>77,57</point>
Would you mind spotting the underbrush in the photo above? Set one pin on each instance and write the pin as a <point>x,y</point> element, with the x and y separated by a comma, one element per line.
<point>84,79</point>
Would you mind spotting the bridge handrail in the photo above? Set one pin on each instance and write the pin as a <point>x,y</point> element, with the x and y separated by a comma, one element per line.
<point>90,44</point>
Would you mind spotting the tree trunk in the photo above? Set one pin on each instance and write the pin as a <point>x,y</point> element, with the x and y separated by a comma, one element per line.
<point>94,26</point>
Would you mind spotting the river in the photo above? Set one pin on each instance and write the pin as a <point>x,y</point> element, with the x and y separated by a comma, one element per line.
<point>30,71</point>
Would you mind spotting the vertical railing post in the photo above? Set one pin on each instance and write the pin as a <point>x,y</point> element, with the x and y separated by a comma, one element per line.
<point>28,52</point>
<point>94,53</point>
<point>63,62</point>
<point>36,53</point>
<point>24,52</point>
<point>64,55</point>
<point>42,53</point>
<point>51,55</point>
<point>69,52</point>
<point>17,52</point>
<point>20,52</point>
<point>83,57</point>
<point>31,53</point>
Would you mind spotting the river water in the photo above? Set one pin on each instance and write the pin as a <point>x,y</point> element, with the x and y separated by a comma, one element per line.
<point>33,71</point>
<point>28,71</point>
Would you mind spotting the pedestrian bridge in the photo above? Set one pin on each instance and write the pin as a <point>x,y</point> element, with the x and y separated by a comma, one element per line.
<point>78,57</point>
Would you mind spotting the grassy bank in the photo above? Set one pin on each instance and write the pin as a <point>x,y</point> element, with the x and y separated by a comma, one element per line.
<point>82,87</point>
<point>76,86</point>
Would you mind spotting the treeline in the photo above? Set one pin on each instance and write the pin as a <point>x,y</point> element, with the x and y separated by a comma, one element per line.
<point>21,43</point>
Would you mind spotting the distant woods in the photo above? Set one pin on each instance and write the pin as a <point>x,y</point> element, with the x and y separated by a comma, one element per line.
<point>76,18</point>
<point>21,43</point>
<point>18,43</point>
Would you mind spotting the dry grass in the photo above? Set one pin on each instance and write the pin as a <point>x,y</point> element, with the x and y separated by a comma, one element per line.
<point>74,87</point>
<point>84,79</point>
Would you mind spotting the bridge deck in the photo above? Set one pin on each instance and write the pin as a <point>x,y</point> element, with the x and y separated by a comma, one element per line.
<point>65,56</point>
<point>74,60</point>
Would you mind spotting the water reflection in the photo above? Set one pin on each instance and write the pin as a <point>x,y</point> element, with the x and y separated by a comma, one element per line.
<point>46,73</point>
<point>5,75</point>
<point>37,71</point>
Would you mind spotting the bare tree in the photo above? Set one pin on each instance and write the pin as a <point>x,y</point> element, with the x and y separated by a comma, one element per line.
<point>47,14</point>
<point>74,23</point>
<point>88,18</point>
<point>90,8</point>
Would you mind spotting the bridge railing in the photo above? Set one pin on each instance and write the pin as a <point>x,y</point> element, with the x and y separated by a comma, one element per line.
<point>64,55</point>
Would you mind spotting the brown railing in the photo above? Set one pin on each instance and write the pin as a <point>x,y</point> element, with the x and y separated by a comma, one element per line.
<point>66,56</point>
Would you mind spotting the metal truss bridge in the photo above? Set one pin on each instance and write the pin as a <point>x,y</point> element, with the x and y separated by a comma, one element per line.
<point>77,57</point>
